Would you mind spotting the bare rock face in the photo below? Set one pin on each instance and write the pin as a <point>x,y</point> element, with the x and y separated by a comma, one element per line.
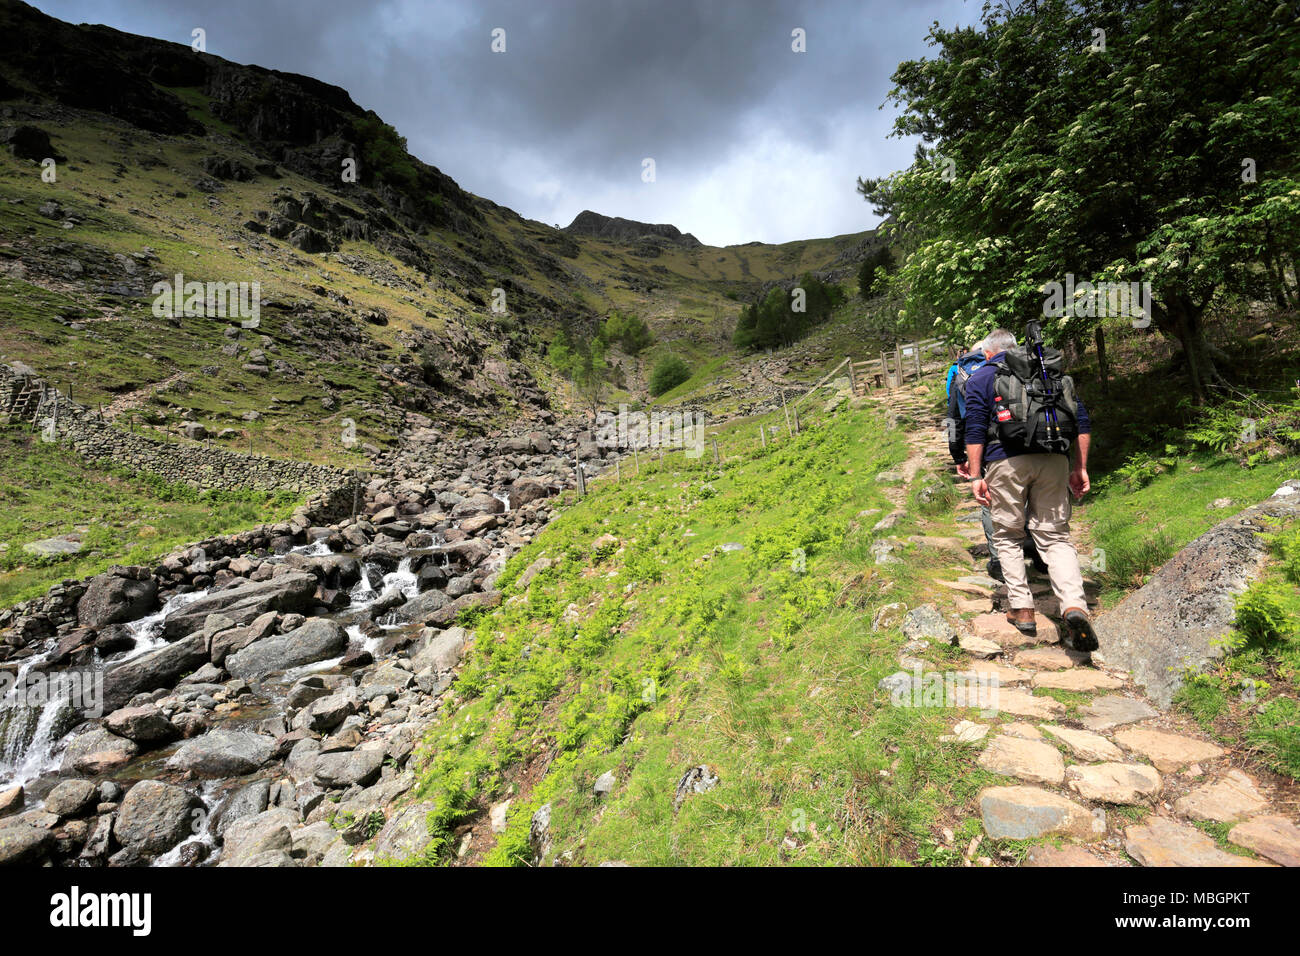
<point>1174,619</point>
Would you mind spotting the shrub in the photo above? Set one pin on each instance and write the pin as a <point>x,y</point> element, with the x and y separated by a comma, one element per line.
<point>669,372</point>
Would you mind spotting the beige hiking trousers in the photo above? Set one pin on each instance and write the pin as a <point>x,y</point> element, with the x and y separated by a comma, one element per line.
<point>1034,487</point>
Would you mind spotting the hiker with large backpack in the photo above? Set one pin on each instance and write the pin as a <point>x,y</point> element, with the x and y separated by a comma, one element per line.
<point>1023,421</point>
<point>958,376</point>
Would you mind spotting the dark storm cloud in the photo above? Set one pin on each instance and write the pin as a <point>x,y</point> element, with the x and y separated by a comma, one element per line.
<point>750,140</point>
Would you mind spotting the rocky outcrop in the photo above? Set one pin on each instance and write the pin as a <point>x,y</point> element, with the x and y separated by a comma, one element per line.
<point>316,640</point>
<point>291,592</point>
<point>616,229</point>
<point>1174,620</point>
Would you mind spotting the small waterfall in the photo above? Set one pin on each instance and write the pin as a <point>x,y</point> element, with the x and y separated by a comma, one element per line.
<point>403,579</point>
<point>30,734</point>
<point>504,499</point>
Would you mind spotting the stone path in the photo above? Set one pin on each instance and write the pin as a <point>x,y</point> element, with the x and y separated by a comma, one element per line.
<point>1096,772</point>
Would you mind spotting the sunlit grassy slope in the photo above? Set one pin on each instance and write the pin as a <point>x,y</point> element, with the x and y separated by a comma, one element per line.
<point>713,615</point>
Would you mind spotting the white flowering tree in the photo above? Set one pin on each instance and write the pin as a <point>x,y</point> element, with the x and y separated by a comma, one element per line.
<point>1113,140</point>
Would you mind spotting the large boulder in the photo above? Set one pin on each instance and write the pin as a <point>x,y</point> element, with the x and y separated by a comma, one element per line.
<point>262,839</point>
<point>346,768</point>
<point>1176,619</point>
<point>145,725</point>
<point>97,752</point>
<point>22,843</point>
<point>289,593</point>
<point>406,835</point>
<point>420,607</point>
<point>316,639</point>
<point>112,599</point>
<point>527,490</point>
<point>480,504</point>
<point>223,753</point>
<point>442,650</point>
<point>155,816</point>
<point>153,670</point>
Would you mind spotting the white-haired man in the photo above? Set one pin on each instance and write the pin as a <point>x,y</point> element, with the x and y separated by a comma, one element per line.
<point>1024,486</point>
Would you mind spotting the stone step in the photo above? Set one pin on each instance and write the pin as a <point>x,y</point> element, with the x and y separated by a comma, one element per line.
<point>1123,783</point>
<point>1169,752</point>
<point>995,627</point>
<point>1230,800</point>
<point>1161,841</point>
<point>1025,813</point>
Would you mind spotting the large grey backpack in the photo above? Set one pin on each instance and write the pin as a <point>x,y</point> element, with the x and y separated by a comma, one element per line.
<point>1034,409</point>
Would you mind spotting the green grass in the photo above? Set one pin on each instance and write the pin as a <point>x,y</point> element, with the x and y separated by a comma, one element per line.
<point>1141,528</point>
<point>665,652</point>
<point>47,490</point>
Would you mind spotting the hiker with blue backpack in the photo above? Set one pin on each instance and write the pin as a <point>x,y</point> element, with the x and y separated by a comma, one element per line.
<point>1024,423</point>
<point>958,375</point>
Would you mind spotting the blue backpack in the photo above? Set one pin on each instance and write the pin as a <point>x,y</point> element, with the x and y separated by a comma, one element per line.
<point>959,375</point>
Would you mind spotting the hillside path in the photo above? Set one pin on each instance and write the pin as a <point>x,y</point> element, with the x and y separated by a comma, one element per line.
<point>1091,766</point>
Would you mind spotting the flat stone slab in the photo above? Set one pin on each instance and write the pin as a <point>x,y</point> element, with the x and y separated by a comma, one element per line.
<point>1030,760</point>
<point>1021,729</point>
<point>1274,837</point>
<point>978,646</point>
<point>996,627</point>
<point>965,588</point>
<point>1023,813</point>
<point>1080,679</point>
<point>1165,842</point>
<point>63,544</point>
<point>1049,658</point>
<point>1114,711</point>
<point>1084,744</point>
<point>1003,674</point>
<point>966,732</point>
<point>1012,700</point>
<point>1230,800</point>
<point>1130,783</point>
<point>977,605</point>
<point>1062,856</point>
<point>1168,752</point>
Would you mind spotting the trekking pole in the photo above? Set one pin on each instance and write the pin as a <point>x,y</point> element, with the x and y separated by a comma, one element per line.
<point>1034,338</point>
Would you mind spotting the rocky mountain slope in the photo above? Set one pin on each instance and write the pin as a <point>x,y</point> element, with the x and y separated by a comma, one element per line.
<point>385,293</point>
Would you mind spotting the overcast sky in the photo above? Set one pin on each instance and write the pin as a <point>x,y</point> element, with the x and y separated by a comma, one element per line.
<point>750,140</point>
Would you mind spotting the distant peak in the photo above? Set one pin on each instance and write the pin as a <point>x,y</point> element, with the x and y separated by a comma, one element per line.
<point>617,229</point>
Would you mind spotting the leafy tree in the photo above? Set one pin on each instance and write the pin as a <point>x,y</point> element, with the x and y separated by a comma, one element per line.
<point>1044,153</point>
<point>868,280</point>
<point>783,318</point>
<point>669,372</point>
<point>629,331</point>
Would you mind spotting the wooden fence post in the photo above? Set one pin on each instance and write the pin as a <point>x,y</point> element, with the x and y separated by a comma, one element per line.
<point>853,379</point>
<point>762,433</point>
<point>786,409</point>
<point>582,479</point>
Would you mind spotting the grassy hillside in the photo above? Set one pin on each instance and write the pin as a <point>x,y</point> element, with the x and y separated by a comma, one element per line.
<point>703,615</point>
<point>46,490</point>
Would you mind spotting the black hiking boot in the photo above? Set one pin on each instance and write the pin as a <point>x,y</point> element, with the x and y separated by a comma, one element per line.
<point>1081,635</point>
<point>995,570</point>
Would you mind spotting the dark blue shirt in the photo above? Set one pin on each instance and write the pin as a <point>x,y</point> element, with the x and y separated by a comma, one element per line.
<point>979,401</point>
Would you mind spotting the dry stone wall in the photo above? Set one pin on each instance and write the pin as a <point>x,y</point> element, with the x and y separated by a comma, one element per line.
<point>192,463</point>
